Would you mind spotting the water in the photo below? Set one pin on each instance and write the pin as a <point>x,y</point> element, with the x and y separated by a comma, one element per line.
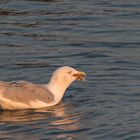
<point>100,37</point>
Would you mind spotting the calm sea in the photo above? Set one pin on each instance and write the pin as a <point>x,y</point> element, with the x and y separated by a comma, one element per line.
<point>99,37</point>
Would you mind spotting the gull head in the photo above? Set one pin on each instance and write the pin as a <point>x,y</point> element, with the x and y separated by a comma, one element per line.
<point>61,80</point>
<point>65,75</point>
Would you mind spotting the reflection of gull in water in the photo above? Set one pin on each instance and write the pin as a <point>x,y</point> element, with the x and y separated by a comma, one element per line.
<point>56,121</point>
<point>26,95</point>
<point>28,116</point>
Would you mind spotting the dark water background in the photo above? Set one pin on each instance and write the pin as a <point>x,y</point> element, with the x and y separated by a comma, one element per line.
<point>100,37</point>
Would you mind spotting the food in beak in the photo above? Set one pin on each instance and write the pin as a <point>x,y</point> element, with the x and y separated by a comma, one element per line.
<point>80,75</point>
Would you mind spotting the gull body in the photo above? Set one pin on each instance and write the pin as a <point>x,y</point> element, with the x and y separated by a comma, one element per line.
<point>26,95</point>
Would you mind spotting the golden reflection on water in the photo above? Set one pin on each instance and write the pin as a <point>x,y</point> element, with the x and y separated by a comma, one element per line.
<point>55,118</point>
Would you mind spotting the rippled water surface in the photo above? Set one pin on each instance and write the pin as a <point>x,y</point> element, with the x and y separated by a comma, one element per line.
<point>100,37</point>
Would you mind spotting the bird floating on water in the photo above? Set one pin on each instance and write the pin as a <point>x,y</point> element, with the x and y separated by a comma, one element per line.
<point>26,95</point>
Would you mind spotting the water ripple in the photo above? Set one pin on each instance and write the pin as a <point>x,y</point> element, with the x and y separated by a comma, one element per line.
<point>98,37</point>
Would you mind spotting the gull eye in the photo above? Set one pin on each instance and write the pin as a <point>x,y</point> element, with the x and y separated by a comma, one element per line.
<point>70,72</point>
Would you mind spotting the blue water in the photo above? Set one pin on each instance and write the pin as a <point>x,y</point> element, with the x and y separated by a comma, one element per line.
<point>99,37</point>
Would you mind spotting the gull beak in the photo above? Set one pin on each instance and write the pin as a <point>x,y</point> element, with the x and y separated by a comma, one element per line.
<point>80,75</point>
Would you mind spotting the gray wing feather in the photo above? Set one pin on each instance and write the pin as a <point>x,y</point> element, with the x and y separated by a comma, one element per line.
<point>24,92</point>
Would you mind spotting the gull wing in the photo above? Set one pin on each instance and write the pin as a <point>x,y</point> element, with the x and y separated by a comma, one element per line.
<point>23,92</point>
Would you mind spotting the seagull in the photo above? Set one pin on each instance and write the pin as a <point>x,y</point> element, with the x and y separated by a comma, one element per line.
<point>26,95</point>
